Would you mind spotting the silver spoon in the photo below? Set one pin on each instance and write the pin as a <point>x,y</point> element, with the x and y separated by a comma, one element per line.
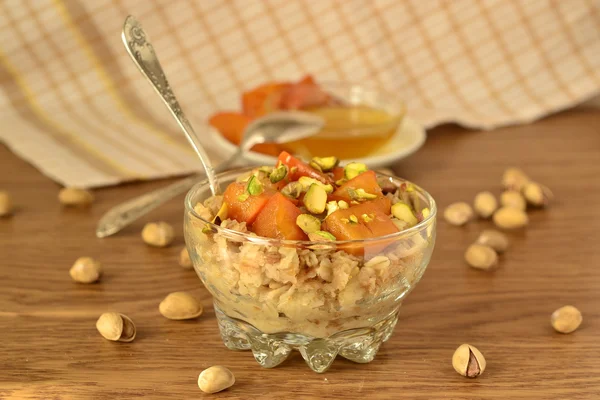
<point>142,53</point>
<point>280,127</point>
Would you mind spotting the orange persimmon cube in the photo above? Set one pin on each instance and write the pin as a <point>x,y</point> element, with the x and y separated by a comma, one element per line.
<point>230,124</point>
<point>366,181</point>
<point>244,210</point>
<point>263,99</point>
<point>278,220</point>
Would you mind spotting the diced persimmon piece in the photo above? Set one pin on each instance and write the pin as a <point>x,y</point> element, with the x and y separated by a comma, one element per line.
<point>338,173</point>
<point>370,222</point>
<point>263,99</point>
<point>278,220</point>
<point>230,124</point>
<point>304,94</point>
<point>298,168</point>
<point>248,209</point>
<point>366,181</point>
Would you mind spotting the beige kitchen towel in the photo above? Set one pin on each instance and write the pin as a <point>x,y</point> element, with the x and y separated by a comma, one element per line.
<point>74,105</point>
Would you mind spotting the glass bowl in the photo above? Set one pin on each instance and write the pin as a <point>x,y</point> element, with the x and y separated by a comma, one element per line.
<point>320,298</point>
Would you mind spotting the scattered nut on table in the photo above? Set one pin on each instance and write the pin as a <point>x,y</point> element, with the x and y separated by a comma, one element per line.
<point>184,258</point>
<point>481,257</point>
<point>116,327</point>
<point>514,179</point>
<point>566,319</point>
<point>514,199</point>
<point>75,197</point>
<point>493,238</point>
<point>468,361</point>
<point>158,234</point>
<point>6,207</point>
<point>458,213</point>
<point>86,270</point>
<point>485,204</point>
<point>180,305</point>
<point>537,194</point>
<point>510,218</point>
<point>215,379</point>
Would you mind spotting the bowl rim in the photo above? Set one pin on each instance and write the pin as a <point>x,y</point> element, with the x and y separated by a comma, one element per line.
<point>252,237</point>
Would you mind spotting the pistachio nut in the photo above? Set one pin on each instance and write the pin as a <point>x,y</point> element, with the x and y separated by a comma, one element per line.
<point>254,186</point>
<point>180,305</point>
<point>116,327</point>
<point>514,199</point>
<point>403,212</point>
<point>315,199</point>
<point>184,259</point>
<point>514,179</point>
<point>468,361</point>
<point>353,169</point>
<point>75,197</point>
<point>343,205</point>
<point>292,190</point>
<point>307,182</point>
<point>332,206</point>
<point>324,164</point>
<point>85,270</point>
<point>158,234</point>
<point>493,238</point>
<point>485,204</point>
<point>360,194</point>
<point>321,236</point>
<point>278,173</point>
<point>510,218</point>
<point>566,319</point>
<point>481,257</point>
<point>215,379</point>
<point>458,213</point>
<point>6,207</point>
<point>537,194</point>
<point>308,223</point>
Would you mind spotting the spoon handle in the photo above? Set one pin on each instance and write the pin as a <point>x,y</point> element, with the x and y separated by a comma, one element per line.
<point>142,53</point>
<point>125,213</point>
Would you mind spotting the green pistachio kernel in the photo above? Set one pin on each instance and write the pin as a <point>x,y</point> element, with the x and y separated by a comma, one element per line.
<point>278,173</point>
<point>308,223</point>
<point>254,187</point>
<point>324,164</point>
<point>354,169</point>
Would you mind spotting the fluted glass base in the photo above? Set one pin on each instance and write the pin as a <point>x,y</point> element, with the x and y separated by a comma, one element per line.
<point>359,345</point>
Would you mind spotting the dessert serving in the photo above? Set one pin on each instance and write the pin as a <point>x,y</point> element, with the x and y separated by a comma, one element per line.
<point>309,256</point>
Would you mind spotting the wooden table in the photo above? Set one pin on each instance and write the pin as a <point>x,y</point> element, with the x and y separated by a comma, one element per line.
<point>50,348</point>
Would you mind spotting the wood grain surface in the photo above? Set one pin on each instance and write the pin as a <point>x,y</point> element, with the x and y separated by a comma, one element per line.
<point>50,349</point>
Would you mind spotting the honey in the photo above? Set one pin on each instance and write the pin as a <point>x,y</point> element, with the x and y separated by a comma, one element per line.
<point>349,132</point>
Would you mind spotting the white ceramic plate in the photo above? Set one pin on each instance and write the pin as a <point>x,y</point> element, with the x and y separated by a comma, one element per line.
<point>409,137</point>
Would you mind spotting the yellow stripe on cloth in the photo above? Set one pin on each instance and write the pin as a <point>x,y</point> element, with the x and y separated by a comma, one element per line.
<point>35,107</point>
<point>107,81</point>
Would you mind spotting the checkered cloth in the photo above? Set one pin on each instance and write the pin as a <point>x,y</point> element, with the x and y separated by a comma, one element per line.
<point>74,105</point>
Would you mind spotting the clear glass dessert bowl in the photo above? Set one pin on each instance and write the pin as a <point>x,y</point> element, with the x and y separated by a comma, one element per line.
<point>320,298</point>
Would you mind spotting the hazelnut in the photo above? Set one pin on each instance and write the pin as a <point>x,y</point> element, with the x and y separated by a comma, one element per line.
<point>458,213</point>
<point>215,379</point>
<point>75,197</point>
<point>184,259</point>
<point>510,218</point>
<point>514,199</point>
<point>485,204</point>
<point>514,179</point>
<point>468,361</point>
<point>85,270</point>
<point>566,319</point>
<point>180,305</point>
<point>116,327</point>
<point>158,234</point>
<point>537,195</point>
<point>481,257</point>
<point>493,238</point>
